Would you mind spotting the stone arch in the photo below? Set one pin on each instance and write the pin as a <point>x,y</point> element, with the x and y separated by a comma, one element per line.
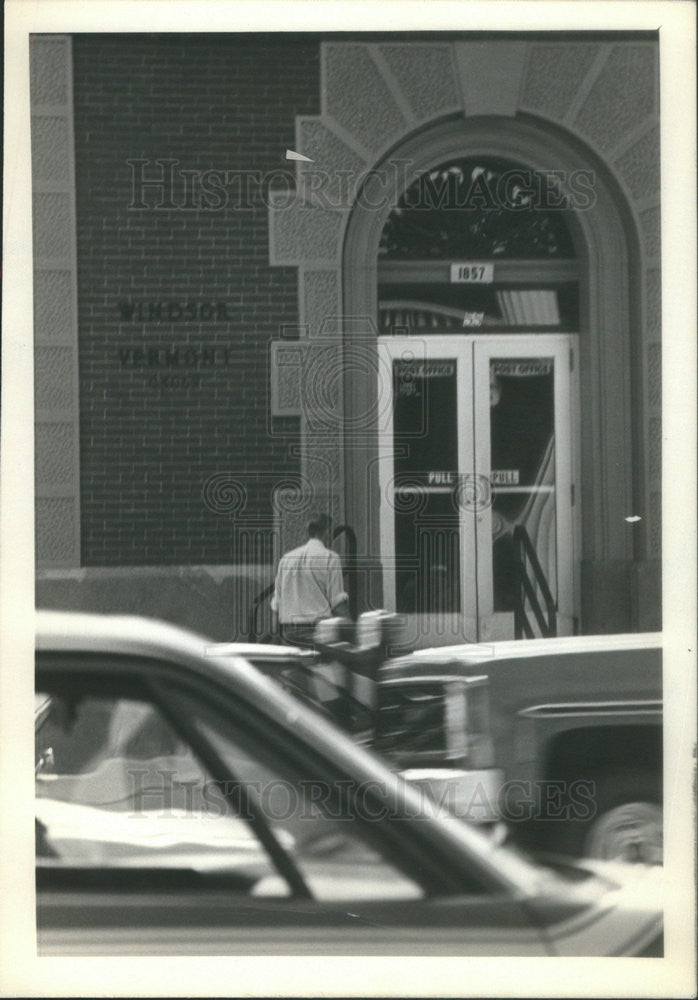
<point>600,235</point>
<point>550,105</point>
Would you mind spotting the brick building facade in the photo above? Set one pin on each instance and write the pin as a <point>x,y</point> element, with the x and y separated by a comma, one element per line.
<point>188,277</point>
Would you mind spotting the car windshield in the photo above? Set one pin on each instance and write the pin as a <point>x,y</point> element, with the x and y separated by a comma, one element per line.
<point>413,720</point>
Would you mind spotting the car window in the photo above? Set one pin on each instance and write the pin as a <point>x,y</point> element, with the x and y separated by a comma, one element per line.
<point>437,721</point>
<point>329,844</point>
<point>117,787</point>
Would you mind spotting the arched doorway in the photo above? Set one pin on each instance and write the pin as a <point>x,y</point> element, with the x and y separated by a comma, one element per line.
<point>455,311</point>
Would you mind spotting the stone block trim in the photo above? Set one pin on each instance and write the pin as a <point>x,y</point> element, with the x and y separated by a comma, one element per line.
<point>321,386</point>
<point>426,76</point>
<point>54,307</point>
<point>320,302</point>
<point>50,68</point>
<point>53,224</point>
<point>656,522</point>
<point>580,86</point>
<point>51,158</point>
<point>653,415</point>
<point>554,73</point>
<point>286,370</point>
<point>654,374</point>
<point>653,284</point>
<point>639,166</point>
<point>650,221</point>
<point>357,97</point>
<point>336,171</point>
<point>624,95</point>
<point>57,452</point>
<point>323,468</point>
<point>299,232</point>
<point>53,375</point>
<point>655,447</point>
<point>56,528</point>
<point>491,75</point>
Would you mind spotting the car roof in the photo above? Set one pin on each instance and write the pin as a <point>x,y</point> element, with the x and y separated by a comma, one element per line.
<point>152,639</point>
<point>81,630</point>
<point>78,630</point>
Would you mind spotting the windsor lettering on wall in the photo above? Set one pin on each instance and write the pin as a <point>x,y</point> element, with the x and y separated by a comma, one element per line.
<point>175,366</point>
<point>171,311</point>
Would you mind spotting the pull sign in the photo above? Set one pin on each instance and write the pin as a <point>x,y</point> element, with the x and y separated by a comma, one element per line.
<point>442,478</point>
<point>472,272</point>
<point>504,477</point>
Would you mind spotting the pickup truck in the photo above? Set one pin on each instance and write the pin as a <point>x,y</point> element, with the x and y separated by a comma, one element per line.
<point>558,739</point>
<point>561,739</point>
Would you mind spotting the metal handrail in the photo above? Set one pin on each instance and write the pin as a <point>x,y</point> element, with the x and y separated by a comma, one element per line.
<point>349,563</point>
<point>522,626</point>
<point>252,616</point>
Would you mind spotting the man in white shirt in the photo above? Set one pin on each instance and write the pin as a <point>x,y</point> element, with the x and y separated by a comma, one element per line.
<point>309,585</point>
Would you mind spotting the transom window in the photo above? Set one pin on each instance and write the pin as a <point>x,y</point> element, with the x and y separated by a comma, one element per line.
<point>480,245</point>
<point>472,207</point>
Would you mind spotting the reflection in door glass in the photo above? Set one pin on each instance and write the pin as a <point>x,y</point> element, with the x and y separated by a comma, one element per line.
<point>522,464</point>
<point>425,440</point>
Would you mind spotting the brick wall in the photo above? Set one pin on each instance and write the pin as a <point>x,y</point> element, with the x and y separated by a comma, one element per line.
<point>156,423</point>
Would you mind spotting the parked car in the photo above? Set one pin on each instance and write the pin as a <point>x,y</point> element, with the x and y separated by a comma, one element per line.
<point>188,805</point>
<point>561,737</point>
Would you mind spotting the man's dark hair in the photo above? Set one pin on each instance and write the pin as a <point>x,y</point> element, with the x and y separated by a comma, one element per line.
<point>318,524</point>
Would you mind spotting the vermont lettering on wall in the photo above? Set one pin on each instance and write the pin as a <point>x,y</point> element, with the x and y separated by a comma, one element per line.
<point>189,356</point>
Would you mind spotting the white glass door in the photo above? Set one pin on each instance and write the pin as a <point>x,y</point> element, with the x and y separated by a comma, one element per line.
<point>426,446</point>
<point>474,442</point>
<point>523,403</point>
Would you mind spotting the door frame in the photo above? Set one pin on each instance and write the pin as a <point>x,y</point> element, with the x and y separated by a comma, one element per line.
<point>456,626</point>
<point>563,347</point>
<point>476,619</point>
<point>611,443</point>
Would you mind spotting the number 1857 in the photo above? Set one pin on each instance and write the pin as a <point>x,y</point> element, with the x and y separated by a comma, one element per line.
<point>472,272</point>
